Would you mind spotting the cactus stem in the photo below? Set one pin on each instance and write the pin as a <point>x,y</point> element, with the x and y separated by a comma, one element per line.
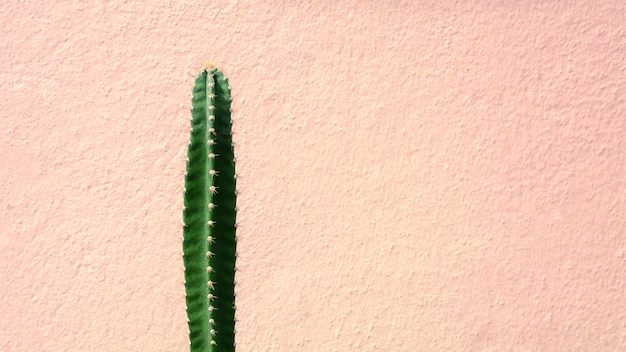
<point>209,240</point>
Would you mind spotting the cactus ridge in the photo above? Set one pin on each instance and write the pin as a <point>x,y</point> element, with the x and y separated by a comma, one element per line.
<point>209,213</point>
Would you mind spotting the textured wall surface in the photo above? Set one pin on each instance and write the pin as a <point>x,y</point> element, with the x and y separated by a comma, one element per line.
<point>414,175</point>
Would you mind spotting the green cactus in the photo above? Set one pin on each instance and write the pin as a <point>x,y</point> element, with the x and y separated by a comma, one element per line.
<point>209,241</point>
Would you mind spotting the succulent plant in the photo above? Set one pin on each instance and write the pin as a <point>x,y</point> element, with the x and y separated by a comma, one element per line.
<point>209,211</point>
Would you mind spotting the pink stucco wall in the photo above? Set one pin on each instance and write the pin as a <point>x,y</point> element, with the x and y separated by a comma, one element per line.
<point>414,175</point>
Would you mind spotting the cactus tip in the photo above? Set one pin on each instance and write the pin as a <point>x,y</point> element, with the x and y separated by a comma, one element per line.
<point>209,65</point>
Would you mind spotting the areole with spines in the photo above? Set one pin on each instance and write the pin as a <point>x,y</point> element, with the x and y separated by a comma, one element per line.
<point>209,213</point>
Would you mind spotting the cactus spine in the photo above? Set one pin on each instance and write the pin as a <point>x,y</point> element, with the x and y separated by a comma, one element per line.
<point>209,242</point>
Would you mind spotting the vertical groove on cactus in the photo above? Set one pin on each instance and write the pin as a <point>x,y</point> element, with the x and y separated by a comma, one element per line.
<point>209,241</point>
